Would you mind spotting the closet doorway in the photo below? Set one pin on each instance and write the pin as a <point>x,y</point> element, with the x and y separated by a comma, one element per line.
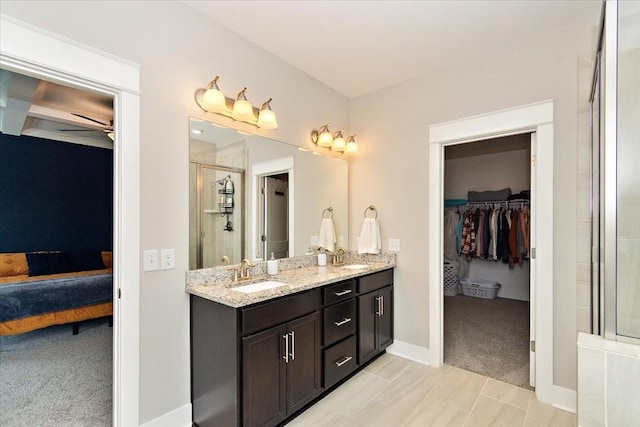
<point>537,119</point>
<point>486,245</point>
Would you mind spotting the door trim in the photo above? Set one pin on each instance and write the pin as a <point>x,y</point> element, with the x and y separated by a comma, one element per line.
<point>42,54</point>
<point>536,118</point>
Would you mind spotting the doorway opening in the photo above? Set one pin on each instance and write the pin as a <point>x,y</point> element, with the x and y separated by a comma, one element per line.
<point>486,257</point>
<point>537,119</point>
<point>274,215</point>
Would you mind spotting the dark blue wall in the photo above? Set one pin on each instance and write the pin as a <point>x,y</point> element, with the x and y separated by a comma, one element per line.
<point>54,195</point>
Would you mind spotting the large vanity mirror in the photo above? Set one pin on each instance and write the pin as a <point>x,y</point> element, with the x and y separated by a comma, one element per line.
<point>251,196</point>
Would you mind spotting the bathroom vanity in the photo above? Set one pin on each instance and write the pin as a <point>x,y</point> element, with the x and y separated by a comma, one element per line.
<point>259,357</point>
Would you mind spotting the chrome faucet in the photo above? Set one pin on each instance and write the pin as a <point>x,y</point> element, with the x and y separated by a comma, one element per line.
<point>338,257</point>
<point>244,268</point>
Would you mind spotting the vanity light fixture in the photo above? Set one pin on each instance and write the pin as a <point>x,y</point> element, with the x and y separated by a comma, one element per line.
<point>336,142</point>
<point>212,100</point>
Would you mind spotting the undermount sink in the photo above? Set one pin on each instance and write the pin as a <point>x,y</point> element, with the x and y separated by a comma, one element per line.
<point>356,266</point>
<point>257,287</point>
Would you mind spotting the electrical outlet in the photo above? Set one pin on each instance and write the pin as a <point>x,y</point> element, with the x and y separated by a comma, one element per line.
<point>314,241</point>
<point>394,245</point>
<point>341,241</point>
<point>167,259</point>
<point>151,260</point>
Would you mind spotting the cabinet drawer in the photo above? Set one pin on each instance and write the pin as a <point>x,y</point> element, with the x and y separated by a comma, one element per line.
<point>375,281</point>
<point>339,292</point>
<point>339,361</point>
<point>339,321</point>
<point>263,316</point>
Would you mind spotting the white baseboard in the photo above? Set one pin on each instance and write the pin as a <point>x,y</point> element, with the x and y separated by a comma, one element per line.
<point>176,418</point>
<point>409,351</point>
<point>564,398</point>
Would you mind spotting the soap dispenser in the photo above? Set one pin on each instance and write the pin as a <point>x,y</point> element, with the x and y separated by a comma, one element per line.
<point>272,265</point>
<point>322,256</point>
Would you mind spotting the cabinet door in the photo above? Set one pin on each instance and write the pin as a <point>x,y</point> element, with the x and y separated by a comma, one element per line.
<point>263,378</point>
<point>385,319</point>
<point>304,367</point>
<point>367,337</point>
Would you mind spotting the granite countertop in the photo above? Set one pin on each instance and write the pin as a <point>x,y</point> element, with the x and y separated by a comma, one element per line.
<point>295,280</point>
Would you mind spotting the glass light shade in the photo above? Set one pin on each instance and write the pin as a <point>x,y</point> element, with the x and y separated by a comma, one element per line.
<point>213,101</point>
<point>352,147</point>
<point>325,139</point>
<point>243,111</point>
<point>339,143</point>
<point>267,119</point>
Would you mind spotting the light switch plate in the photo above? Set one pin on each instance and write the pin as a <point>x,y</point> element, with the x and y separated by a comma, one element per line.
<point>314,241</point>
<point>167,259</point>
<point>394,245</point>
<point>341,241</point>
<point>151,260</point>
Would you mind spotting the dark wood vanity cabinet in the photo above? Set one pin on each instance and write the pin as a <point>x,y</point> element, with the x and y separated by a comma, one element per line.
<point>281,370</point>
<point>255,365</point>
<point>375,314</point>
<point>258,365</point>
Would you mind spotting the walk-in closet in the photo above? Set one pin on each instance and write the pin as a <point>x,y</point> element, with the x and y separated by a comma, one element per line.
<point>486,246</point>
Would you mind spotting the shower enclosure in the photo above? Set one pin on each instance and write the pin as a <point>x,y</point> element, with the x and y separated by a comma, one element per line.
<point>216,215</point>
<point>615,182</point>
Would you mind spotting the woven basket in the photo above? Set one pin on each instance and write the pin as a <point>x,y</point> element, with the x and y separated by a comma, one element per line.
<point>451,279</point>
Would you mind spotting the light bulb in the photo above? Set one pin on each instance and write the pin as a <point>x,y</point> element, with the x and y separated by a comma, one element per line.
<point>267,118</point>
<point>213,100</point>
<point>242,109</point>
<point>352,147</point>
<point>338,143</point>
<point>325,139</point>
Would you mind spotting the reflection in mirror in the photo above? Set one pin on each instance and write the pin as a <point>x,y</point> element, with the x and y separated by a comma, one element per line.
<point>276,206</point>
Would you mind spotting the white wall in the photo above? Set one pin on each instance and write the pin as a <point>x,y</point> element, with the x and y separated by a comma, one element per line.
<point>394,155</point>
<point>179,51</point>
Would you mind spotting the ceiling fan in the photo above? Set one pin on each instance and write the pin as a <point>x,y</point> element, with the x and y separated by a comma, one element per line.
<point>106,128</point>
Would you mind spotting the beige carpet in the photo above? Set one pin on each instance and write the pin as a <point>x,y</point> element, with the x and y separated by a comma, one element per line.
<point>52,378</point>
<point>488,337</point>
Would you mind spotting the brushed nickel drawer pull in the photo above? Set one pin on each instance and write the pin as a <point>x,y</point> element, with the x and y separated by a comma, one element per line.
<point>341,293</point>
<point>343,322</point>
<point>343,361</point>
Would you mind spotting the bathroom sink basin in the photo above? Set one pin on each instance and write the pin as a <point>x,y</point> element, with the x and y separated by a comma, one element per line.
<point>257,287</point>
<point>356,266</point>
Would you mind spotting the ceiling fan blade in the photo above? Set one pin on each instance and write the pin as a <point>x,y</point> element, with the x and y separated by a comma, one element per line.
<point>89,118</point>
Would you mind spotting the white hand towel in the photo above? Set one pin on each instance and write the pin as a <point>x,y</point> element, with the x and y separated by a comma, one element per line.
<point>370,241</point>
<point>327,236</point>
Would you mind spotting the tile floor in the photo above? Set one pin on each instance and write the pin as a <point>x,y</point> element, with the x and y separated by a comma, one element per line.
<point>393,391</point>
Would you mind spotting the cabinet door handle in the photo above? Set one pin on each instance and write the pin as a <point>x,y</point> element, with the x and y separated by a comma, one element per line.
<point>286,348</point>
<point>293,345</point>
<point>343,322</point>
<point>378,313</point>
<point>343,361</point>
<point>382,305</point>
<point>341,293</point>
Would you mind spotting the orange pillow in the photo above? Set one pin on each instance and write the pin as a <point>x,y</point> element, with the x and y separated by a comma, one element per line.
<point>107,258</point>
<point>13,264</point>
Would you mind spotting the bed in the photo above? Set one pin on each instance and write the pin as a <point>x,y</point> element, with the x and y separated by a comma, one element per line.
<point>40,289</point>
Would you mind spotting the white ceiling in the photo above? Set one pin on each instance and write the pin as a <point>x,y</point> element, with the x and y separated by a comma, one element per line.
<point>43,109</point>
<point>357,47</point>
